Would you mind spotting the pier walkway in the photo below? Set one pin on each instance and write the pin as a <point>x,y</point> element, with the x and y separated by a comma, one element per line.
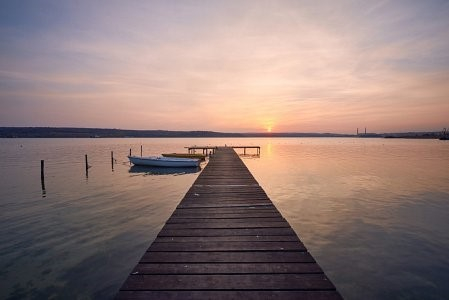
<point>226,240</point>
<point>211,149</point>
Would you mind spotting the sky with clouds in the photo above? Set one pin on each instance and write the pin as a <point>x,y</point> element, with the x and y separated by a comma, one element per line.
<point>234,66</point>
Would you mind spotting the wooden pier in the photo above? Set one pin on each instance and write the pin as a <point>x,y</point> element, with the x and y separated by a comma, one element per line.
<point>211,149</point>
<point>226,240</point>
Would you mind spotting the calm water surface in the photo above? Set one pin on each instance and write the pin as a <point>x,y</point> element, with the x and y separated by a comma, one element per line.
<point>373,212</point>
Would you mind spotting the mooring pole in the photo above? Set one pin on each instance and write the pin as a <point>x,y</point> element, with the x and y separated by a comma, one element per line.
<point>44,193</point>
<point>141,149</point>
<point>42,170</point>
<point>87,166</point>
<point>112,160</point>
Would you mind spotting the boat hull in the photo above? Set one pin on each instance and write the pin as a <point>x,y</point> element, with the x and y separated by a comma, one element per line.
<point>151,170</point>
<point>168,162</point>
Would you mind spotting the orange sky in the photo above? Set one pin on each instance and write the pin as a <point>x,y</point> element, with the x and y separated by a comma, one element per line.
<point>234,66</point>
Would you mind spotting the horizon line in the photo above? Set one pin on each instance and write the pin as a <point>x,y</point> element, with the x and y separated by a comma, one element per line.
<point>218,132</point>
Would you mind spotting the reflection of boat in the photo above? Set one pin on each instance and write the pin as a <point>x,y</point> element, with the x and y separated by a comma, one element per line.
<point>160,161</point>
<point>146,170</point>
<point>186,155</point>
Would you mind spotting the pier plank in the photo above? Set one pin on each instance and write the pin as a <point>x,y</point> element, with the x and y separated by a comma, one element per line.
<point>227,268</point>
<point>228,224</point>
<point>227,210</point>
<point>226,240</point>
<point>226,295</point>
<point>219,219</point>
<point>205,216</point>
<point>228,246</point>
<point>229,281</point>
<point>226,231</point>
<point>228,257</point>
<point>233,238</point>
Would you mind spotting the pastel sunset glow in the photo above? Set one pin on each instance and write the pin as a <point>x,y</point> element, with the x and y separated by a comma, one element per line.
<point>230,66</point>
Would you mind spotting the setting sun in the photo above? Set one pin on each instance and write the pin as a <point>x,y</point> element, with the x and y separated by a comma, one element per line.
<point>269,129</point>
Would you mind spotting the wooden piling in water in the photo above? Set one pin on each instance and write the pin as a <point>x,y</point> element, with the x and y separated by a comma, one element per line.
<point>43,179</point>
<point>227,240</point>
<point>87,166</point>
<point>42,170</point>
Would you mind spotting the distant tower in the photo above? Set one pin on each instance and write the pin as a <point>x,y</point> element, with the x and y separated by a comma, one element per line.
<point>357,131</point>
<point>365,130</point>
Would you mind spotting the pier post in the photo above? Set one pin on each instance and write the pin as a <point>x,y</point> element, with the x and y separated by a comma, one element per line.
<point>42,170</point>
<point>87,166</point>
<point>43,179</point>
<point>112,160</point>
<point>129,151</point>
<point>141,150</point>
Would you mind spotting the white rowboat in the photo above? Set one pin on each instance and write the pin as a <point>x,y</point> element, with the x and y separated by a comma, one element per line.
<point>159,161</point>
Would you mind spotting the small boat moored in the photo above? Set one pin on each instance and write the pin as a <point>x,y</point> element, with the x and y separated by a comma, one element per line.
<point>160,161</point>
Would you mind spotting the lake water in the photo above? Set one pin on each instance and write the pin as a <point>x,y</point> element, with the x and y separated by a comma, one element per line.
<point>373,212</point>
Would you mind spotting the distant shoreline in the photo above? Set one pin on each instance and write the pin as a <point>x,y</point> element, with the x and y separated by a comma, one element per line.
<point>72,132</point>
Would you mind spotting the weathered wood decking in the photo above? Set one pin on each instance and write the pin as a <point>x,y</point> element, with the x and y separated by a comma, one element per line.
<point>206,149</point>
<point>226,240</point>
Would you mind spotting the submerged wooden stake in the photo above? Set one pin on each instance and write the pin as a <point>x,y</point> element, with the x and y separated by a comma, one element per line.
<point>44,193</point>
<point>87,166</point>
<point>42,169</point>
